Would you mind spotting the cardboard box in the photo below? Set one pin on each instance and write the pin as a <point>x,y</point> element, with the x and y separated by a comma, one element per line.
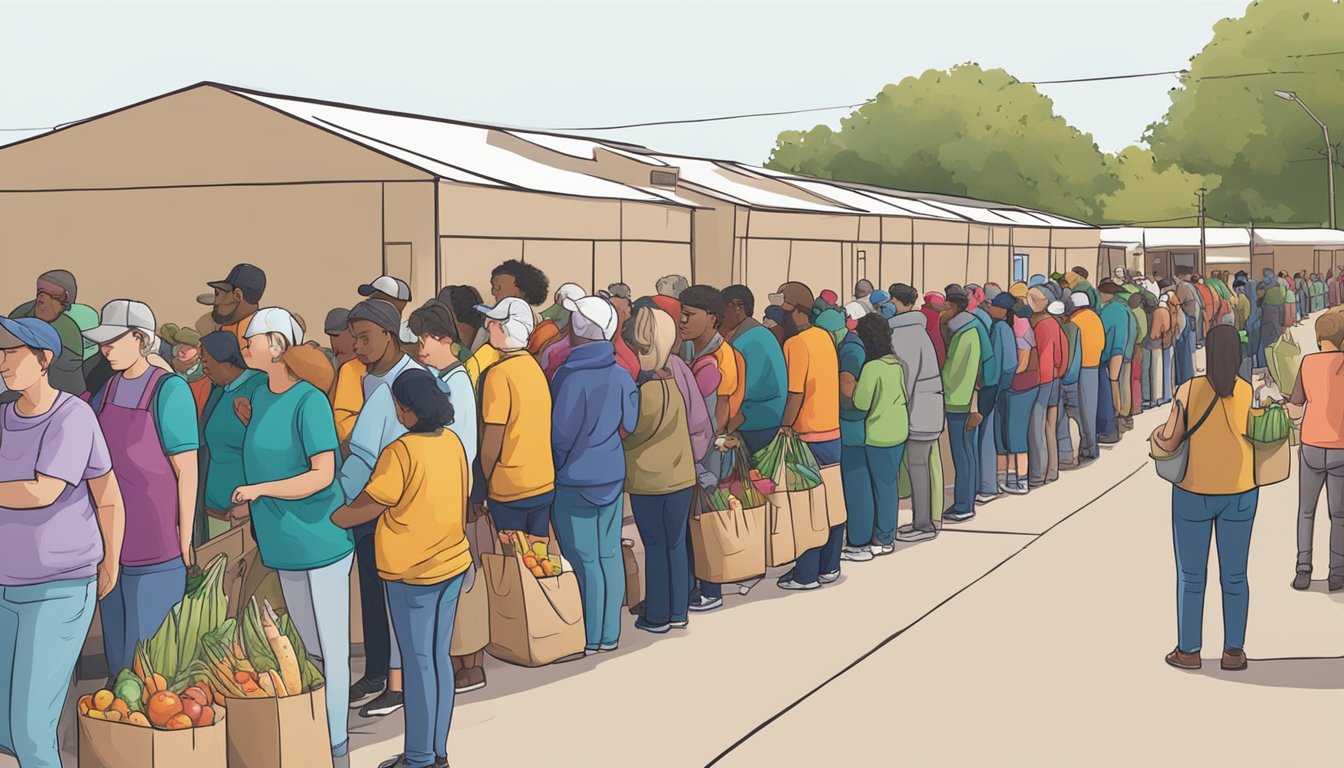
<point>275,732</point>
<point>104,744</point>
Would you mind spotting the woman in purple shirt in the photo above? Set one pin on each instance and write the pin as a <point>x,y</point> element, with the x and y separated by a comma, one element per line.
<point>60,511</point>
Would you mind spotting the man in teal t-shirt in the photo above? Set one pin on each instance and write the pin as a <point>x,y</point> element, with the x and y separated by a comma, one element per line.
<point>766,383</point>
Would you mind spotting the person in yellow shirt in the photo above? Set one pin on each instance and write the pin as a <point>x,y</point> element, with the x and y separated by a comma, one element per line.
<point>418,495</point>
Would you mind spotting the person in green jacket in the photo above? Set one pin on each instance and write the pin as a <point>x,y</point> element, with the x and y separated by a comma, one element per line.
<point>961,384</point>
<point>880,392</point>
<point>56,291</point>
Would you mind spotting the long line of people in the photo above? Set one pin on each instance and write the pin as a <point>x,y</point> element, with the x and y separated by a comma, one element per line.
<point>393,448</point>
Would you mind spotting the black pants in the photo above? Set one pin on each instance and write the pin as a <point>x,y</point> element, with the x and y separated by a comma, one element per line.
<point>372,606</point>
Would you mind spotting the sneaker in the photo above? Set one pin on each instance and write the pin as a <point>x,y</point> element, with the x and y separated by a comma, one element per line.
<point>914,535</point>
<point>985,498</point>
<point>657,629</point>
<point>679,624</point>
<point>957,517</point>
<point>608,647</point>
<point>1182,660</point>
<point>1023,486</point>
<point>1233,660</point>
<point>1335,584</point>
<point>637,609</point>
<point>440,762</point>
<point>469,679</point>
<point>881,550</point>
<point>388,701</point>
<point>397,762</point>
<point>1016,490</point>
<point>856,554</point>
<point>702,603</point>
<point>828,578</point>
<point>1302,580</point>
<point>791,584</point>
<point>363,689</point>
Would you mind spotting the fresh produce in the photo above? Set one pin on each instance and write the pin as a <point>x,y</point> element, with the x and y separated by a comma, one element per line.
<point>259,656</point>
<point>177,644</point>
<point>1272,426</point>
<point>540,562</point>
<point>801,472</point>
<point>161,708</point>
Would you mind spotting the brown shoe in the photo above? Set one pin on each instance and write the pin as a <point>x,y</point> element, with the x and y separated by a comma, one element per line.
<point>1182,660</point>
<point>469,679</point>
<point>1234,661</point>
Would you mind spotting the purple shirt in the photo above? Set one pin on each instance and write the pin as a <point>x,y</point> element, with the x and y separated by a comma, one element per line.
<point>60,541</point>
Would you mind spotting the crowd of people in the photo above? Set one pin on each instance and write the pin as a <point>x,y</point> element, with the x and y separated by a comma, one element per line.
<point>416,425</point>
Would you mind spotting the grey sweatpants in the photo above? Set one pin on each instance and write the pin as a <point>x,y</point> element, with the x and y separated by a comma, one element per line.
<point>918,455</point>
<point>1320,467</point>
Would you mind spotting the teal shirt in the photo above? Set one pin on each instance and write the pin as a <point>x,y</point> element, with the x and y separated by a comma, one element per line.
<point>767,383</point>
<point>285,432</point>
<point>1115,321</point>
<point>881,392</point>
<point>852,357</point>
<point>223,436</point>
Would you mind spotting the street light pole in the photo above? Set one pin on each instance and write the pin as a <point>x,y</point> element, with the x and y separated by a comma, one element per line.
<point>1329,148</point>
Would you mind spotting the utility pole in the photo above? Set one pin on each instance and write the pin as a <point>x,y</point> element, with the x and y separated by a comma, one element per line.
<point>1329,149</point>
<point>1202,212</point>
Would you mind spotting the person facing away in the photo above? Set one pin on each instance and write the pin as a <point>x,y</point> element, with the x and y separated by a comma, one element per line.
<point>1210,414</point>
<point>961,385</point>
<point>765,385</point>
<point>880,393</point>
<point>914,349</point>
<point>1317,404</point>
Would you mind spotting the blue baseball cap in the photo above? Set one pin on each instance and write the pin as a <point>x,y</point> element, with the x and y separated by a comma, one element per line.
<point>29,332</point>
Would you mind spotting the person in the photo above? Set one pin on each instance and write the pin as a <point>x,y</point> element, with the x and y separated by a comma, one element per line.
<point>914,349</point>
<point>339,340</point>
<point>517,469</point>
<point>375,326</point>
<point>660,473</point>
<point>396,292</point>
<point>934,303</point>
<point>519,280</point>
<point>764,383</point>
<point>1070,387</point>
<point>290,485</point>
<point>1016,405</point>
<point>618,295</point>
<point>471,334</point>
<point>151,417</point>
<point>1210,415</point>
<point>235,299</point>
<point>348,397</point>
<point>417,498</point>
<point>857,477</point>
<point>185,360</point>
<point>1142,361</point>
<point>1270,301</point>
<point>881,393</point>
<point>1127,382</point>
<point>61,524</point>
<point>1160,337</point>
<point>988,392</point>
<point>1115,319</point>
<point>961,388</point>
<point>222,431</point>
<point>1317,404</point>
<point>812,413</point>
<point>550,341</point>
<point>998,309</point>
<point>594,404</point>
<point>1052,359</point>
<point>863,291</point>
<point>55,298</point>
<point>1077,280</point>
<point>671,286</point>
<point>1188,341</point>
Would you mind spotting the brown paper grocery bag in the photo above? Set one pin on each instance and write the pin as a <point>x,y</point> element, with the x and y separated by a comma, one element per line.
<point>780,548</point>
<point>471,626</point>
<point>833,485</point>
<point>533,621</point>
<point>809,518</point>
<point>104,744</point>
<point>729,546</point>
<point>278,733</point>
<point>634,586</point>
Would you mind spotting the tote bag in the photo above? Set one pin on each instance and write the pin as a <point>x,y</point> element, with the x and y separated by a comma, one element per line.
<point>1171,465</point>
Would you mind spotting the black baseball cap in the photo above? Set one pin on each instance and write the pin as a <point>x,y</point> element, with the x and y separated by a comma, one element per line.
<point>243,277</point>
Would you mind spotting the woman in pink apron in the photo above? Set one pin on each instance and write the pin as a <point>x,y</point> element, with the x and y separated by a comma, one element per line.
<point>148,416</point>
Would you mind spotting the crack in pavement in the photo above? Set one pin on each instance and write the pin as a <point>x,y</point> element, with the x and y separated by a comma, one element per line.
<point>843,670</point>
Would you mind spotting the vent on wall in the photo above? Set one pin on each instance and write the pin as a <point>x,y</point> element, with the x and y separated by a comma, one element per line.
<point>663,178</point>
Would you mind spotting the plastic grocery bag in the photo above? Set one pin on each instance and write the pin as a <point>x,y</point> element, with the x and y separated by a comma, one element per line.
<point>1284,358</point>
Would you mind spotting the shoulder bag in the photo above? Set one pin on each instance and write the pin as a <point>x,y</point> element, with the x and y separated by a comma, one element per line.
<point>1171,465</point>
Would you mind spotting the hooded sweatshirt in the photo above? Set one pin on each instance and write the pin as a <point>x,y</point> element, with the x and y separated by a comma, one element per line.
<point>923,380</point>
<point>961,372</point>
<point>594,399</point>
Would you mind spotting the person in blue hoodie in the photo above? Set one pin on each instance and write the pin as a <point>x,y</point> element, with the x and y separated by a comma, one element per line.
<point>595,405</point>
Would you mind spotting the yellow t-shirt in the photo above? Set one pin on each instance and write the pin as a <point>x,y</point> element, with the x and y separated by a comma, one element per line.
<point>422,479</point>
<point>733,376</point>
<point>483,358</point>
<point>1221,459</point>
<point>516,396</point>
<point>814,372</point>
<point>348,398</point>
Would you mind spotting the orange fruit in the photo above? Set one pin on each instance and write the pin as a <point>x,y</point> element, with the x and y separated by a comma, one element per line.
<point>120,707</point>
<point>163,706</point>
<point>178,722</point>
<point>138,718</point>
<point>196,694</point>
<point>103,699</point>
<point>85,704</point>
<point>207,717</point>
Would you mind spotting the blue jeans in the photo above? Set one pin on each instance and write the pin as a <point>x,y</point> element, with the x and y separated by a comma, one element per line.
<point>135,608</point>
<point>966,458</point>
<point>860,500</point>
<point>590,537</point>
<point>662,522</point>
<point>884,465</point>
<point>1108,431</point>
<point>756,439</point>
<point>1184,354</point>
<point>422,617</point>
<point>42,629</point>
<point>985,444</point>
<point>826,558</point>
<point>1193,517</point>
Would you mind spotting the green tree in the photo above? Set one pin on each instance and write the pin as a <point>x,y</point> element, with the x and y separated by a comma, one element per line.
<point>1148,193</point>
<point>1224,118</point>
<point>967,131</point>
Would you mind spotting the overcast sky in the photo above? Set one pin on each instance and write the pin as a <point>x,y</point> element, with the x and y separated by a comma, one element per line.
<point>559,64</point>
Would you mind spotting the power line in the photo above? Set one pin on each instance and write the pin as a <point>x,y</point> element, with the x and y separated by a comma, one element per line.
<point>1104,77</point>
<point>715,119</point>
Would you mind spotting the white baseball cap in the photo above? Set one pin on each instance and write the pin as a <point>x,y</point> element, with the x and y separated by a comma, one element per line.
<point>1081,300</point>
<point>569,291</point>
<point>592,318</point>
<point>388,285</point>
<point>275,320</point>
<point>120,317</point>
<point>515,314</point>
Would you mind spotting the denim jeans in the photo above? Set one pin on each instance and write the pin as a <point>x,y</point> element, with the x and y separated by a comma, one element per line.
<point>1183,355</point>
<point>884,466</point>
<point>1166,376</point>
<point>988,452</point>
<point>135,608</point>
<point>1146,376</point>
<point>965,457</point>
<point>1108,431</point>
<point>662,522</point>
<point>826,558</point>
<point>42,629</point>
<point>372,607</point>
<point>422,616</point>
<point>860,499</point>
<point>319,604</point>
<point>590,537</point>
<point>1193,517</point>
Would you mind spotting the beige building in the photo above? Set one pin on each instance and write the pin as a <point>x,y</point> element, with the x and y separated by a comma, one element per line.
<point>153,200</point>
<point>1166,251</point>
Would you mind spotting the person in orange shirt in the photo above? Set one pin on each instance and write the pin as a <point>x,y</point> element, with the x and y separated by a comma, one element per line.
<point>1317,404</point>
<point>235,299</point>
<point>812,412</point>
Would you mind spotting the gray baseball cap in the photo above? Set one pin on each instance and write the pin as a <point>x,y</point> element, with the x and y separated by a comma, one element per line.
<point>119,317</point>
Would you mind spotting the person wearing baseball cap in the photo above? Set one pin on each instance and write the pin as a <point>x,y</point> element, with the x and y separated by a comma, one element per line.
<point>235,298</point>
<point>549,339</point>
<point>56,291</point>
<point>61,517</point>
<point>595,403</point>
<point>394,292</point>
<point>149,417</point>
<point>517,480</point>
<point>291,488</point>
<point>1115,320</point>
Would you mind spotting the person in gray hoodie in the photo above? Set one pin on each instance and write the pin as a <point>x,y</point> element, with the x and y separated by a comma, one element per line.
<point>924,397</point>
